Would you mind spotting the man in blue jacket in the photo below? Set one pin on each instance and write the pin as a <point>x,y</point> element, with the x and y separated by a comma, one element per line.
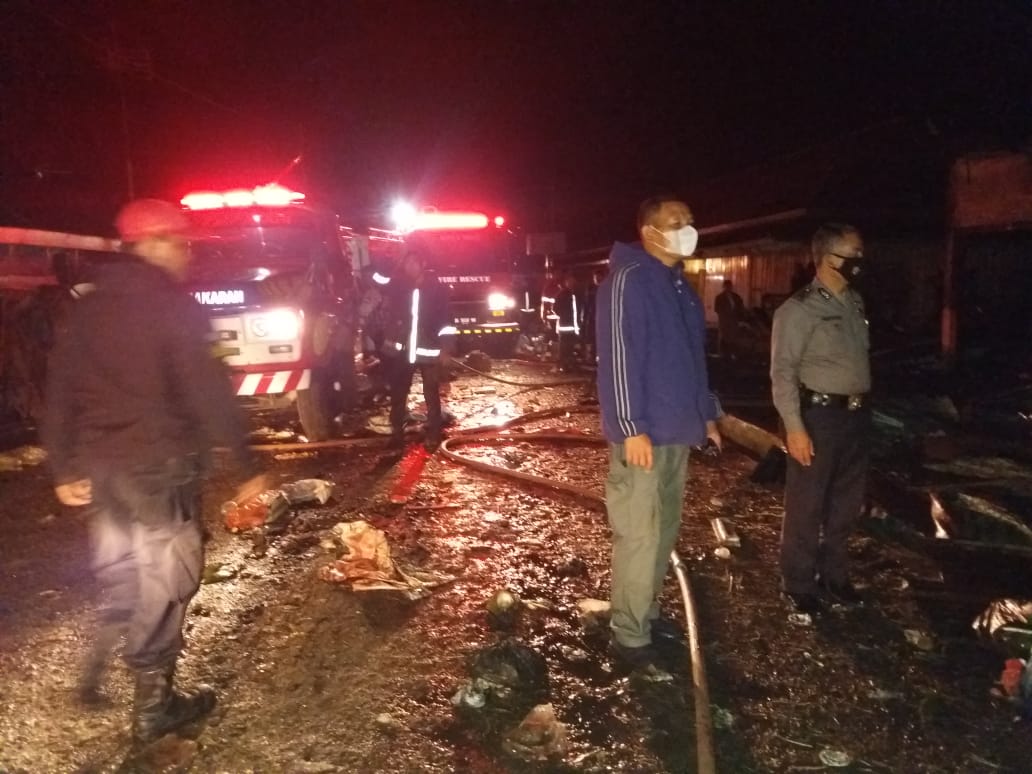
<point>656,403</point>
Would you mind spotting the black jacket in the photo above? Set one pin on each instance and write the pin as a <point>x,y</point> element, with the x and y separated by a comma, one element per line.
<point>569,307</point>
<point>133,383</point>
<point>432,312</point>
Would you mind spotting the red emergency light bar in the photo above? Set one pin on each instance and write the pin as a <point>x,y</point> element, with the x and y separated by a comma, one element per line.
<point>435,220</point>
<point>271,195</point>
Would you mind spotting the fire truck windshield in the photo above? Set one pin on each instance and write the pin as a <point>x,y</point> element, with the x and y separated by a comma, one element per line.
<point>462,252</point>
<point>274,238</point>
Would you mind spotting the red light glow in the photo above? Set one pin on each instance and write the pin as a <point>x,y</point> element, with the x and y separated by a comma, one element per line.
<point>271,195</point>
<point>433,220</point>
<point>499,221</point>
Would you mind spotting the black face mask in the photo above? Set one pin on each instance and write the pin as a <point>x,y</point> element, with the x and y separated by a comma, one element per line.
<point>852,267</point>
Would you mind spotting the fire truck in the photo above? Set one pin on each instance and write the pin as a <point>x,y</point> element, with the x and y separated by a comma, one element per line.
<point>275,274</point>
<point>476,257</point>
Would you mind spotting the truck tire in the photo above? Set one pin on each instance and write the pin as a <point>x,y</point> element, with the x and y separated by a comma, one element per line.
<point>317,406</point>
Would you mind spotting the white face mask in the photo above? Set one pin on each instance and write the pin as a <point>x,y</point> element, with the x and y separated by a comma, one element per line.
<point>682,241</point>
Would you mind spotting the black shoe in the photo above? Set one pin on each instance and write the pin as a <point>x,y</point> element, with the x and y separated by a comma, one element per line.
<point>396,443</point>
<point>643,660</point>
<point>432,443</point>
<point>663,629</point>
<point>842,594</point>
<point>809,604</point>
<point>158,709</point>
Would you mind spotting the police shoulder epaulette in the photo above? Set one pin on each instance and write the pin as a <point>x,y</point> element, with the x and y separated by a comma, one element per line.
<point>826,295</point>
<point>803,292</point>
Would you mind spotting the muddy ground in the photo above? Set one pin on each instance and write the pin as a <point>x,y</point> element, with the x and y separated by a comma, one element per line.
<point>313,677</point>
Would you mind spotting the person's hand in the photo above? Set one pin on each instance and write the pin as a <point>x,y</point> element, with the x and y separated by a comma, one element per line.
<point>800,447</point>
<point>251,488</point>
<point>638,451</point>
<point>713,434</point>
<point>76,493</point>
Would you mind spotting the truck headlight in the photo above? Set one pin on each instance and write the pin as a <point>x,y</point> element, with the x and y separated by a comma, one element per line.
<point>499,301</point>
<point>278,325</point>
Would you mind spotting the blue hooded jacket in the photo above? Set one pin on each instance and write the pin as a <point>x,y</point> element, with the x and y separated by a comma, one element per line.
<point>651,335</point>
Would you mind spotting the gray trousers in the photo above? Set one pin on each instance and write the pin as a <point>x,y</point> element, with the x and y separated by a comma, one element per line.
<point>644,509</point>
<point>823,501</point>
<point>148,556</point>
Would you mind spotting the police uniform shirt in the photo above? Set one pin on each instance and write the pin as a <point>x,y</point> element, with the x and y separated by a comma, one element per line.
<point>820,341</point>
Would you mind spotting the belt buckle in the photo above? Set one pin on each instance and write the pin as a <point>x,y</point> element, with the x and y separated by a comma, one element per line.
<point>855,402</point>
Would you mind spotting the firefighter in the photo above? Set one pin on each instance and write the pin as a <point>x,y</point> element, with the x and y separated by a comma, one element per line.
<point>370,321</point>
<point>135,403</point>
<point>415,310</point>
<point>568,309</point>
<point>549,293</point>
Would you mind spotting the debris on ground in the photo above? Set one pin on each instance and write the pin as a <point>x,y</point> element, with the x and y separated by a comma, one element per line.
<point>722,719</point>
<point>1004,612</point>
<point>270,435</point>
<point>308,490</point>
<point>540,736</point>
<point>503,608</point>
<point>594,613</point>
<point>367,564</point>
<point>508,676</point>
<point>22,457</point>
<point>838,759</point>
<point>919,639</point>
<point>217,572</point>
<point>725,533</point>
<point>271,506</point>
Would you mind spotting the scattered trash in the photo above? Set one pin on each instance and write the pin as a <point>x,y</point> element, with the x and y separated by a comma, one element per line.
<point>379,424</point>
<point>367,564</point>
<point>1016,685</point>
<point>594,613</point>
<point>507,676</point>
<point>722,553</point>
<point>722,718</point>
<point>503,608</point>
<point>716,502</point>
<point>50,593</point>
<point>1010,678</point>
<point>1003,612</point>
<point>269,507</point>
<point>269,435</point>
<point>725,532</point>
<point>653,674</point>
<point>540,736</point>
<point>837,759</point>
<point>308,490</point>
<point>485,390</point>
<point>800,619</point>
<point>294,456</point>
<point>22,457</point>
<point>217,572</point>
<point>919,639</point>
<point>387,723</point>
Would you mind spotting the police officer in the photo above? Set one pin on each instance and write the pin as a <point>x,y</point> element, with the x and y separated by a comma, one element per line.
<point>568,310</point>
<point>821,377</point>
<point>135,402</point>
<point>415,311</point>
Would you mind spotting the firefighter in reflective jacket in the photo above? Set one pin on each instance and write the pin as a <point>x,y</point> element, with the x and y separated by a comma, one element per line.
<point>568,309</point>
<point>414,312</point>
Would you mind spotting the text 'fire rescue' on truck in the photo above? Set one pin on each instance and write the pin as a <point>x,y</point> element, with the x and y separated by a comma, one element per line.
<point>474,256</point>
<point>275,274</point>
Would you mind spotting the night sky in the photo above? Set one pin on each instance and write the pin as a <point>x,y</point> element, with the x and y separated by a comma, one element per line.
<point>560,114</point>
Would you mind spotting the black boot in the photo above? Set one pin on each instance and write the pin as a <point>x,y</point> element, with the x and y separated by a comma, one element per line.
<point>159,709</point>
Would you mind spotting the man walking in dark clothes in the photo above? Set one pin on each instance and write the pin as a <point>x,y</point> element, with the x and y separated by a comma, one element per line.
<point>135,403</point>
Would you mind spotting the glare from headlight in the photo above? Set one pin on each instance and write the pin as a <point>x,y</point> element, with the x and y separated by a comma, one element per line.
<point>278,325</point>
<point>498,301</point>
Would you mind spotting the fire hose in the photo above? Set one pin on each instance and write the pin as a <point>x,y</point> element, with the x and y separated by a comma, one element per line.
<point>700,686</point>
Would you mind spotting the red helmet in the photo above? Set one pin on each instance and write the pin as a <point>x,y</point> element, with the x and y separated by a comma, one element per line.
<point>142,218</point>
